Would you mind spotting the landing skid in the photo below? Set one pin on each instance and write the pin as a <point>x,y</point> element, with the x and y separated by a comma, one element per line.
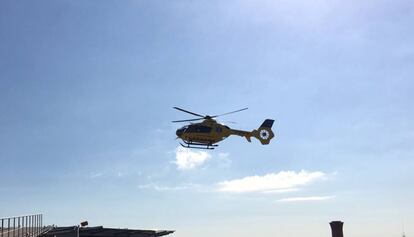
<point>198,145</point>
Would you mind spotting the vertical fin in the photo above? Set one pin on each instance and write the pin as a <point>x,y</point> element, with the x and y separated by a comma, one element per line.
<point>264,133</point>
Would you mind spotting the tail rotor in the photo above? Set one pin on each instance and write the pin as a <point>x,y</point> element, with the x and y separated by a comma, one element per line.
<point>264,133</point>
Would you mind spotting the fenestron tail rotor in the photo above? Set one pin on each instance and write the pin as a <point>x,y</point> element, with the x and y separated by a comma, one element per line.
<point>202,117</point>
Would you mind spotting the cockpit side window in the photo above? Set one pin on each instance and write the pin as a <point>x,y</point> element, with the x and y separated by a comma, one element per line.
<point>205,129</point>
<point>198,129</point>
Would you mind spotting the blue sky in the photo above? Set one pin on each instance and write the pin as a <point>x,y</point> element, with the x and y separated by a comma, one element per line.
<point>87,90</point>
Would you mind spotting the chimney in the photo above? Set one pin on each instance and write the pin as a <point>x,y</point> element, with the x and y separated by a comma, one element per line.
<point>336,227</point>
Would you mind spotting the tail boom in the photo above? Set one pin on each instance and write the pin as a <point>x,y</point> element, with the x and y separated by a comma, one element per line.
<point>241,133</point>
<point>264,133</point>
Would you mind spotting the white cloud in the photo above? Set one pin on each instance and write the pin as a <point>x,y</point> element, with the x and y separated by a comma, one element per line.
<point>303,199</point>
<point>186,159</point>
<point>273,182</point>
<point>94,175</point>
<point>157,187</point>
<point>286,190</point>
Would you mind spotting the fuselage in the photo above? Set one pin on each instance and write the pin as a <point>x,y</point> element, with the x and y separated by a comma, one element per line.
<point>206,132</point>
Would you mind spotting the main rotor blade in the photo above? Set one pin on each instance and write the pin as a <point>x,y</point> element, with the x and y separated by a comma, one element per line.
<point>183,110</point>
<point>186,120</point>
<point>229,113</point>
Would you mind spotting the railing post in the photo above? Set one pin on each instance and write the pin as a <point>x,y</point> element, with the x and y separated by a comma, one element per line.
<point>2,226</point>
<point>18,226</point>
<point>8,227</point>
<point>37,224</point>
<point>34,226</point>
<point>14,224</point>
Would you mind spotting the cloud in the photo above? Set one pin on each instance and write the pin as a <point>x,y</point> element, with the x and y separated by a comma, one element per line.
<point>286,190</point>
<point>186,159</point>
<point>273,182</point>
<point>94,175</point>
<point>303,199</point>
<point>157,187</point>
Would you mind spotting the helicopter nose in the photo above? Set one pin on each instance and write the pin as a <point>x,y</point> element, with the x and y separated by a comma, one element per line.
<point>179,132</point>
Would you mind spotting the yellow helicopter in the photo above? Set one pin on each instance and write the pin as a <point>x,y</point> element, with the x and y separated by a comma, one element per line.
<point>206,134</point>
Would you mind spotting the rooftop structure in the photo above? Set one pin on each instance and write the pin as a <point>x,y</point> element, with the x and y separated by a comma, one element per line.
<point>336,227</point>
<point>32,226</point>
<point>100,231</point>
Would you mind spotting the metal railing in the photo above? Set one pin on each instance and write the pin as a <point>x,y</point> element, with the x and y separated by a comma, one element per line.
<point>22,226</point>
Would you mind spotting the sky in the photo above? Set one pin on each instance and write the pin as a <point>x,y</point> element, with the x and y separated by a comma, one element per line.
<point>87,90</point>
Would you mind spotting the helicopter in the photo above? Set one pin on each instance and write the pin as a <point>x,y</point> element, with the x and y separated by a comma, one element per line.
<point>205,134</point>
